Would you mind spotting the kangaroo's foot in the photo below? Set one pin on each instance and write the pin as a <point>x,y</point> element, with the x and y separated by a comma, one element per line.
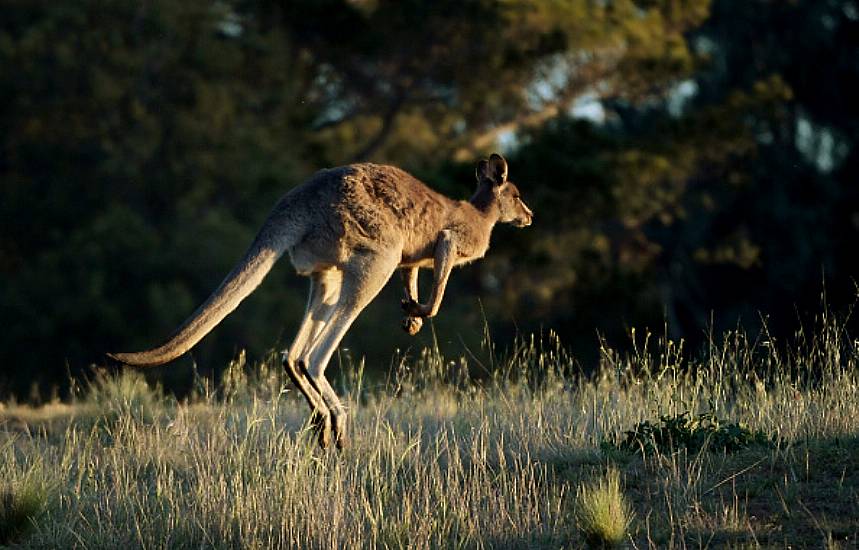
<point>321,424</point>
<point>412,325</point>
<point>322,415</point>
<point>320,418</point>
<point>341,440</point>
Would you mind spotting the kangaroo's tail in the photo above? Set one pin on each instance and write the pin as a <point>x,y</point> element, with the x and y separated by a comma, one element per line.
<point>240,282</point>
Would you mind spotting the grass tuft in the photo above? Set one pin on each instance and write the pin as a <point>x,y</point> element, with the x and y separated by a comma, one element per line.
<point>603,515</point>
<point>21,503</point>
<point>125,395</point>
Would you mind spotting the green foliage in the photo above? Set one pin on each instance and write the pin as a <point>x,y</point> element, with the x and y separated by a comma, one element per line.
<point>142,148</point>
<point>603,515</point>
<point>692,433</point>
<point>424,82</point>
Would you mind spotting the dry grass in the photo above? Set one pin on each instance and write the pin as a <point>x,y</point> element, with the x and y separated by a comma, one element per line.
<point>441,462</point>
<point>602,513</point>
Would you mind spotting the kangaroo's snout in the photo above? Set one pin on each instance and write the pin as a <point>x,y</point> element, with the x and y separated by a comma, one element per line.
<point>527,217</point>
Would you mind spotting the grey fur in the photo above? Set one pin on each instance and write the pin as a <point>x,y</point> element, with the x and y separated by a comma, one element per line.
<point>349,229</point>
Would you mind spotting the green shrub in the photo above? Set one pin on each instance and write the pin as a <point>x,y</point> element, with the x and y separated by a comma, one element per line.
<point>691,433</point>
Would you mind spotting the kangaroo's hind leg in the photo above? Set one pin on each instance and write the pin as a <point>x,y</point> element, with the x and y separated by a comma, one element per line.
<point>324,290</point>
<point>363,278</point>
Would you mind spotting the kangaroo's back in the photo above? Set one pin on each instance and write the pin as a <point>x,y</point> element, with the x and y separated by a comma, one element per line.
<point>362,206</point>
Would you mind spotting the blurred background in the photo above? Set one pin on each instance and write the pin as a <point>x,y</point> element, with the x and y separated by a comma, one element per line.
<point>693,166</point>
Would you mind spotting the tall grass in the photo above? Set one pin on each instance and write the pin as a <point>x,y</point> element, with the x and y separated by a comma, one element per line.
<point>439,460</point>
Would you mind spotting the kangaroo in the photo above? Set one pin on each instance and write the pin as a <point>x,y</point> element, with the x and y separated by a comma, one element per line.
<point>349,229</point>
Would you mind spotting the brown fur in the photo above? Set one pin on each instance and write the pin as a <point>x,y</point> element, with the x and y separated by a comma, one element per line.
<point>349,229</point>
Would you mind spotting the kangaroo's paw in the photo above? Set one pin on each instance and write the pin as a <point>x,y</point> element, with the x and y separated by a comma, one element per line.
<point>414,309</point>
<point>412,325</point>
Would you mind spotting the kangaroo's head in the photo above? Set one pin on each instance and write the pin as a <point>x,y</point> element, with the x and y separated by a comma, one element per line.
<point>492,174</point>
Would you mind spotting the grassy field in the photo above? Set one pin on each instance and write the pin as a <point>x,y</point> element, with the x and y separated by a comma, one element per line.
<point>536,456</point>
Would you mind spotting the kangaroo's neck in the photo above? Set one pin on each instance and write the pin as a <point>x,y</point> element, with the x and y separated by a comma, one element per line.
<point>472,224</point>
<point>486,204</point>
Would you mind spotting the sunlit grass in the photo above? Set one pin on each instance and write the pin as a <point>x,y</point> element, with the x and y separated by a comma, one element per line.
<point>603,515</point>
<point>441,461</point>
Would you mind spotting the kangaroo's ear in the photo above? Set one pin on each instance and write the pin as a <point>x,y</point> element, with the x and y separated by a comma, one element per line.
<point>497,169</point>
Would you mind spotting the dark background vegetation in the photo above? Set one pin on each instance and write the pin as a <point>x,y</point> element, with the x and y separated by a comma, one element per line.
<point>691,163</point>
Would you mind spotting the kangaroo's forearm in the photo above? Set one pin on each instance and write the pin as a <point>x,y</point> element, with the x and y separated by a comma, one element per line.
<point>445,253</point>
<point>410,282</point>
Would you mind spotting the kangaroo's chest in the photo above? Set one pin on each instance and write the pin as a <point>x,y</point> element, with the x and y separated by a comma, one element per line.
<point>465,250</point>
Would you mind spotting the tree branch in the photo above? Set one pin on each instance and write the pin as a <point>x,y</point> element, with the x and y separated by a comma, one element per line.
<point>587,77</point>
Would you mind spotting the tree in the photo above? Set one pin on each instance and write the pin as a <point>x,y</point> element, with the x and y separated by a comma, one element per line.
<point>418,81</point>
<point>141,145</point>
<point>741,203</point>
